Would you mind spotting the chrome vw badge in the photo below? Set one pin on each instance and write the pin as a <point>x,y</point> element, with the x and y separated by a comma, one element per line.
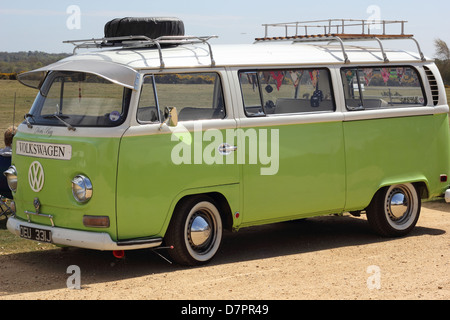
<point>36,176</point>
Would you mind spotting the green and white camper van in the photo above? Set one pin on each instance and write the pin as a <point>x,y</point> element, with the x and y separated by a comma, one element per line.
<point>167,140</point>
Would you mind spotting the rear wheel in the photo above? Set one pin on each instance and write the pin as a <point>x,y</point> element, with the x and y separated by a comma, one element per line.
<point>394,211</point>
<point>195,231</point>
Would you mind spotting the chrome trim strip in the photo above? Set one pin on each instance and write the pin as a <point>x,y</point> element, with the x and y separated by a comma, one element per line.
<point>135,242</point>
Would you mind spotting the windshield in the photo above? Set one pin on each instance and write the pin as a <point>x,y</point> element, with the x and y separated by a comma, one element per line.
<point>75,99</point>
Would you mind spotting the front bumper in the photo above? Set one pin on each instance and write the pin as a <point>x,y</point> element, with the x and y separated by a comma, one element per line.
<point>84,239</point>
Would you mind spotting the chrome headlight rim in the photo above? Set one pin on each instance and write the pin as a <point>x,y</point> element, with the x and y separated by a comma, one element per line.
<point>11,178</point>
<point>82,189</point>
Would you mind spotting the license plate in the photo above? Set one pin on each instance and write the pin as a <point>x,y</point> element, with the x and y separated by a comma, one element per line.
<point>40,235</point>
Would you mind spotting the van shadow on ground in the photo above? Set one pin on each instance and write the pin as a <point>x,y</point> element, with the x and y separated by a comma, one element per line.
<point>47,269</point>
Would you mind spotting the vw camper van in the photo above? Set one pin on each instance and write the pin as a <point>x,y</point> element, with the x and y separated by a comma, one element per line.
<point>149,138</point>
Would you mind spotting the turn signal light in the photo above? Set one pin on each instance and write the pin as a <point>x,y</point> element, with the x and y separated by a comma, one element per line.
<point>96,221</point>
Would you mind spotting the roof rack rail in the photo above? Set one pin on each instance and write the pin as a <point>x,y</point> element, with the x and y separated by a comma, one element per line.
<point>142,42</point>
<point>336,30</point>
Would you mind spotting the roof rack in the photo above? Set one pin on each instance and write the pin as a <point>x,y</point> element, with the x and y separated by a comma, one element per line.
<point>142,42</point>
<point>336,30</point>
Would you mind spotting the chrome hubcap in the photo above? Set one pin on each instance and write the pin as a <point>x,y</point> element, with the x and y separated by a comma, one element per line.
<point>399,205</point>
<point>200,231</point>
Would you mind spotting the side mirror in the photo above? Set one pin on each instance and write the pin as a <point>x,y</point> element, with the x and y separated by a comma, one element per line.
<point>170,117</point>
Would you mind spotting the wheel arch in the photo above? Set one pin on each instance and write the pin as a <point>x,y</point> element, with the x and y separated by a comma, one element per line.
<point>420,183</point>
<point>226,198</point>
<point>383,215</point>
<point>422,189</point>
<point>220,201</point>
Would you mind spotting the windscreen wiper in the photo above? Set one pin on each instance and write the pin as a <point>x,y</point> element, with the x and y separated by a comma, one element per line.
<point>59,117</point>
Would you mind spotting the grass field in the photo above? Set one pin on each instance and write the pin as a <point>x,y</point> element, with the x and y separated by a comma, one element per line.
<point>25,96</point>
<point>24,99</point>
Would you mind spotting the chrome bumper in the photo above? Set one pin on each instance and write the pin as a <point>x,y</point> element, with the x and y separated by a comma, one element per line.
<point>84,239</point>
<point>447,196</point>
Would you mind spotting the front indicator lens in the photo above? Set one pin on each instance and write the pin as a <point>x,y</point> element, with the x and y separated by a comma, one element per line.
<point>11,177</point>
<point>96,221</point>
<point>81,189</point>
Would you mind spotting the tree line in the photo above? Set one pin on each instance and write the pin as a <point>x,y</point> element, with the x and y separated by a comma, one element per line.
<point>12,63</point>
<point>443,59</point>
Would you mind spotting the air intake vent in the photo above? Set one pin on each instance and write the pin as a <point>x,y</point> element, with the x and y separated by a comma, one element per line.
<point>433,85</point>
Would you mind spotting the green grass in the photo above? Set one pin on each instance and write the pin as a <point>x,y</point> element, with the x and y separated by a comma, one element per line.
<point>10,243</point>
<point>24,99</point>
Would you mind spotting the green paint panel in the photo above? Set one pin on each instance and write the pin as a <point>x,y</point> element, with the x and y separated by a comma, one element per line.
<point>314,169</point>
<point>310,179</point>
<point>95,158</point>
<point>150,183</point>
<point>383,152</point>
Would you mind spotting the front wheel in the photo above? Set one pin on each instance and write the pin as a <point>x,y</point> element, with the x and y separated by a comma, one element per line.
<point>195,231</point>
<point>394,211</point>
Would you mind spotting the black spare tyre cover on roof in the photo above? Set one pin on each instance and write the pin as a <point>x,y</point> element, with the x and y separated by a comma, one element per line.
<point>150,27</point>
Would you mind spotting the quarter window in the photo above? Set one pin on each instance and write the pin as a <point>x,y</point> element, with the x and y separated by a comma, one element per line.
<point>372,88</point>
<point>148,110</point>
<point>268,92</point>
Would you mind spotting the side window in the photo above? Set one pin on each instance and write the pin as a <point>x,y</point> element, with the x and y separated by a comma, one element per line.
<point>372,88</point>
<point>286,91</point>
<point>197,96</point>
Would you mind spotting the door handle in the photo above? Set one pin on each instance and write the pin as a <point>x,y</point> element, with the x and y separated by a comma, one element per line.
<point>226,149</point>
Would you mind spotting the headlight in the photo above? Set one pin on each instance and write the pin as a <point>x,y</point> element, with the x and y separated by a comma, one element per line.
<point>11,177</point>
<point>82,188</point>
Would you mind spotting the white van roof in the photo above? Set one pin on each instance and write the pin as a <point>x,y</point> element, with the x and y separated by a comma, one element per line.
<point>259,54</point>
<point>122,65</point>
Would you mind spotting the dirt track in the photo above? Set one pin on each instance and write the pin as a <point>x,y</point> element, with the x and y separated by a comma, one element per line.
<point>321,258</point>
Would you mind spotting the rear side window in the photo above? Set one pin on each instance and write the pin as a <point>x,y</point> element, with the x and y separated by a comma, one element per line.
<point>378,87</point>
<point>268,92</point>
<point>197,96</point>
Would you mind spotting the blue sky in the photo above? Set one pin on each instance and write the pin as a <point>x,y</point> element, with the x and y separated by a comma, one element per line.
<point>42,25</point>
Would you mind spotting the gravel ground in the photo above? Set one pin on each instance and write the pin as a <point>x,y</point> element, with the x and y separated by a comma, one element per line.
<point>319,258</point>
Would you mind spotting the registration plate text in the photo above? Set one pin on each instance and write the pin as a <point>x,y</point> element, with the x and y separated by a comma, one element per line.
<point>35,234</point>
